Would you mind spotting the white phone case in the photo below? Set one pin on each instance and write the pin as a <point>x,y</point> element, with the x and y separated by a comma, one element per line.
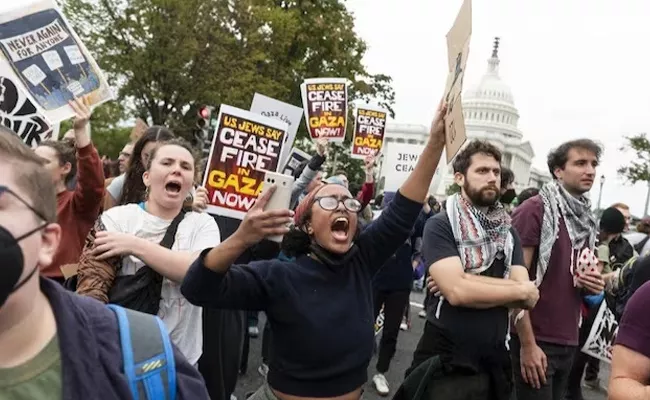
<point>281,198</point>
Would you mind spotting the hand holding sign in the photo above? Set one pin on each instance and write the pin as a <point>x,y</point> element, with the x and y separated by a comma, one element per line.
<point>80,123</point>
<point>437,132</point>
<point>321,146</point>
<point>258,224</point>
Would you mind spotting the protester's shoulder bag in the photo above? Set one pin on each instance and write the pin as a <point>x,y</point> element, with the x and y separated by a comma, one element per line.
<point>147,354</point>
<point>141,291</point>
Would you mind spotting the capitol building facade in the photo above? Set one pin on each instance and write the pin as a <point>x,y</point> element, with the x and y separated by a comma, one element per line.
<point>490,114</point>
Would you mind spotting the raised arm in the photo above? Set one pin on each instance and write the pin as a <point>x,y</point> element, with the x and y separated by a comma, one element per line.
<point>212,271</point>
<point>309,172</point>
<point>89,192</point>
<point>386,234</point>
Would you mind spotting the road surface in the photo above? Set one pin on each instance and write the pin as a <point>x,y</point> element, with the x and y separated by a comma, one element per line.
<point>406,343</point>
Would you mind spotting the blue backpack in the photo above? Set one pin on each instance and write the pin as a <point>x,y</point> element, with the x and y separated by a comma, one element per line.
<point>148,355</point>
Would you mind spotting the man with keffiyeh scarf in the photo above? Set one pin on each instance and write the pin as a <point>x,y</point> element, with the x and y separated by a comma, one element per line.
<point>472,251</point>
<point>558,235</point>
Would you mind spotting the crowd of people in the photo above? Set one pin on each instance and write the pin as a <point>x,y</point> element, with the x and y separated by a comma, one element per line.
<point>514,281</point>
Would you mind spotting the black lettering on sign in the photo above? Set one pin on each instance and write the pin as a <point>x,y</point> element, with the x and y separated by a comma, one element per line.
<point>20,115</point>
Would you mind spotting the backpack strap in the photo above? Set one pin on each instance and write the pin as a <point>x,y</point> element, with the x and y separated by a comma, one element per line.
<point>148,355</point>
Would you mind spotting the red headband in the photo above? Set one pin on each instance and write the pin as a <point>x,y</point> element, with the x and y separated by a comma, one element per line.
<point>305,204</point>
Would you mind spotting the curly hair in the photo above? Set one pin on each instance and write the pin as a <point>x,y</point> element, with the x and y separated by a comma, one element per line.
<point>464,158</point>
<point>134,189</point>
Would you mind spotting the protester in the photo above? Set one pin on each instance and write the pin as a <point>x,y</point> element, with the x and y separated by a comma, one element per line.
<point>55,344</point>
<point>507,191</point>
<point>612,224</point>
<point>308,174</point>
<point>631,355</point>
<point>625,210</point>
<point>642,245</point>
<point>526,194</point>
<point>319,306</point>
<point>125,155</point>
<point>391,290</point>
<point>76,210</point>
<point>128,188</point>
<point>558,235</point>
<point>126,239</point>
<point>476,263</point>
<point>431,207</point>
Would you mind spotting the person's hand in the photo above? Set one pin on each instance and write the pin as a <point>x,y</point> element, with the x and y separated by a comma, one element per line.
<point>258,224</point>
<point>531,295</point>
<point>321,146</point>
<point>533,365</point>
<point>437,132</point>
<point>113,244</point>
<point>200,199</point>
<point>80,122</point>
<point>592,281</point>
<point>433,287</point>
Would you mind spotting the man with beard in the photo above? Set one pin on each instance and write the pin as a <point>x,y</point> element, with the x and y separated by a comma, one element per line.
<point>476,263</point>
<point>558,235</point>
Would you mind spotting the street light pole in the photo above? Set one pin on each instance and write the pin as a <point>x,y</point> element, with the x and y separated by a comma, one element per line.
<point>600,194</point>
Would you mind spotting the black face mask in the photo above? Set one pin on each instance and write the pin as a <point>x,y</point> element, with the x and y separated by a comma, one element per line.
<point>331,259</point>
<point>12,260</point>
<point>508,196</point>
<point>13,263</point>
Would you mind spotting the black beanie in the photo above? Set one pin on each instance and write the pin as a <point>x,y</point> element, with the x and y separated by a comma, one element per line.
<point>612,221</point>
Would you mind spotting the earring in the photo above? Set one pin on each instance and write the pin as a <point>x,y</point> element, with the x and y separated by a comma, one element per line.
<point>146,192</point>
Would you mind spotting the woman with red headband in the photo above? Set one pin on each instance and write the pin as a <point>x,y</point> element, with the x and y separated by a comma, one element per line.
<point>319,304</point>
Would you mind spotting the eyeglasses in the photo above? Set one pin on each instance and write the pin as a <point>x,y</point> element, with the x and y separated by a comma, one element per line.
<point>5,189</point>
<point>331,203</point>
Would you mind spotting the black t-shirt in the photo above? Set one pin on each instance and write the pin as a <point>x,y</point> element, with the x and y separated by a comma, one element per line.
<point>468,330</point>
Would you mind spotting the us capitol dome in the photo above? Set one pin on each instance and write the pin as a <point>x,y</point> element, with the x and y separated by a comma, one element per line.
<point>490,114</point>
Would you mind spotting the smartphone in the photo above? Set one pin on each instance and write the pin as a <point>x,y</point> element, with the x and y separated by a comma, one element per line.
<point>281,198</point>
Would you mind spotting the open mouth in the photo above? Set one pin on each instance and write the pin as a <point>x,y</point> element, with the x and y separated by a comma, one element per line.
<point>340,227</point>
<point>173,187</point>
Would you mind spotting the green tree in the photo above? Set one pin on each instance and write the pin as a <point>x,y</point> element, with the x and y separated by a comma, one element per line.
<point>639,169</point>
<point>452,189</point>
<point>167,58</point>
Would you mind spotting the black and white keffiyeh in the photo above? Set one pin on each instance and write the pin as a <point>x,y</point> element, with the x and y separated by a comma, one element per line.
<point>578,219</point>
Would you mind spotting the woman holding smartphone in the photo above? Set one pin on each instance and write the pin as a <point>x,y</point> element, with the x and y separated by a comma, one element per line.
<point>319,304</point>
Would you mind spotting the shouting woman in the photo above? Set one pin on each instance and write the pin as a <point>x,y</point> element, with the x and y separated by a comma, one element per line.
<point>319,304</point>
<point>130,237</point>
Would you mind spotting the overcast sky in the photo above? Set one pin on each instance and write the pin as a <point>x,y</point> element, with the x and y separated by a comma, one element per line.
<point>577,68</point>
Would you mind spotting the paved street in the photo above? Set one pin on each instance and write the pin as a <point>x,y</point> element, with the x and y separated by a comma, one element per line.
<point>405,346</point>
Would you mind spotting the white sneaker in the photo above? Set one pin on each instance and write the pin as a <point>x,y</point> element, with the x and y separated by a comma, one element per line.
<point>381,384</point>
<point>422,313</point>
<point>253,331</point>
<point>263,370</point>
<point>404,326</point>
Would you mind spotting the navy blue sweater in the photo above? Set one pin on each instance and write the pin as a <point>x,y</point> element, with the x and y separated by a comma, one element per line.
<point>322,317</point>
<point>91,356</point>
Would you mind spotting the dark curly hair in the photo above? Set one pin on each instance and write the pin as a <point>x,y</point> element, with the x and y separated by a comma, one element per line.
<point>558,157</point>
<point>464,158</point>
<point>134,189</point>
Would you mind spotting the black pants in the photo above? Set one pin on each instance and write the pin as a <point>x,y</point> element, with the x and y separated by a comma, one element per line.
<point>223,339</point>
<point>394,303</point>
<point>460,383</point>
<point>581,360</point>
<point>560,360</point>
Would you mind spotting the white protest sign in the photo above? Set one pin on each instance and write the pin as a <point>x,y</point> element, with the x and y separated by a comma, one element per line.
<point>74,54</point>
<point>399,162</point>
<point>34,41</point>
<point>34,74</point>
<point>272,108</point>
<point>53,60</point>
<point>602,336</point>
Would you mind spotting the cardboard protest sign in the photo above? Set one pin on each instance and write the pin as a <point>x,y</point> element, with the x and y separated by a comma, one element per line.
<point>20,115</point>
<point>369,129</point>
<point>44,56</point>
<point>458,39</point>
<point>602,336</point>
<point>325,101</point>
<point>272,108</point>
<point>138,130</point>
<point>296,157</point>
<point>244,145</point>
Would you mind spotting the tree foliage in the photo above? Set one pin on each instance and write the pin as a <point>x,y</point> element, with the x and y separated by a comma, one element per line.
<point>639,169</point>
<point>169,57</point>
